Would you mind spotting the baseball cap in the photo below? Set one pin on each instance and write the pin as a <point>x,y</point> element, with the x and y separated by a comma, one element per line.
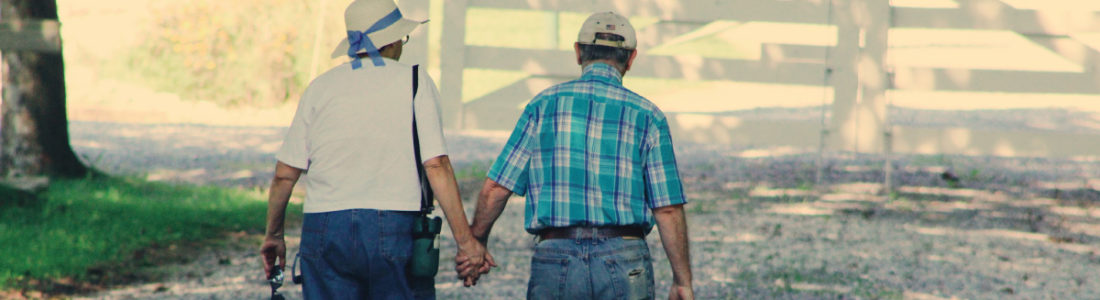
<point>607,22</point>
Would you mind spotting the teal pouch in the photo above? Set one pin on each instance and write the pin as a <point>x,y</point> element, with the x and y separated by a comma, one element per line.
<point>424,261</point>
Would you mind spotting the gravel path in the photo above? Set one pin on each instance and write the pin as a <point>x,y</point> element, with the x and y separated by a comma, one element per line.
<point>760,226</point>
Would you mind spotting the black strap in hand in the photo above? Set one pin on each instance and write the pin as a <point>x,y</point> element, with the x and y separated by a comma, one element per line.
<point>426,194</point>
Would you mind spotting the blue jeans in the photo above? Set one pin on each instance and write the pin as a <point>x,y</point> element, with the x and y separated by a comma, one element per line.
<point>614,268</point>
<point>359,254</point>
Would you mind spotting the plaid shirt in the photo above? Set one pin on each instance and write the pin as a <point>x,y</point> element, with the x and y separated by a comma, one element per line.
<point>590,153</point>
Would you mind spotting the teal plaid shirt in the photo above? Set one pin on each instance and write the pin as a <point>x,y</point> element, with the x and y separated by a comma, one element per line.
<point>590,152</point>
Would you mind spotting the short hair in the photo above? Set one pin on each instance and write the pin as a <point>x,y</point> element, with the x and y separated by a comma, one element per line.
<point>599,52</point>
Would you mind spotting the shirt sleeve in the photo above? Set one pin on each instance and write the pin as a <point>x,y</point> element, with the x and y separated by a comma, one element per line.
<point>662,178</point>
<point>429,118</point>
<point>295,149</point>
<point>513,165</point>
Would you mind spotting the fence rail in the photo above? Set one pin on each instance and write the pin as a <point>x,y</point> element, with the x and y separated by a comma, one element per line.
<point>854,67</point>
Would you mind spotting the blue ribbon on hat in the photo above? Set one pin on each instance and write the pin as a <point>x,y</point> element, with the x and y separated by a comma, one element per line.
<point>359,40</point>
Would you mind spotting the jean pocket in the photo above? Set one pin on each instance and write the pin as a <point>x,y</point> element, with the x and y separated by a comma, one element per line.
<point>633,275</point>
<point>548,276</point>
<point>640,284</point>
<point>396,248</point>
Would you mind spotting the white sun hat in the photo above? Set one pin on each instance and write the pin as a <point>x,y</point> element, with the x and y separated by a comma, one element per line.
<point>607,22</point>
<point>372,24</point>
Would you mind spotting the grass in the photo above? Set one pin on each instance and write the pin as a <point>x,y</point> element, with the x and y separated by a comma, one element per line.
<point>83,230</point>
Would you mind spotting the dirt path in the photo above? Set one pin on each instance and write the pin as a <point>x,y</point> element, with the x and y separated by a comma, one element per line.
<point>231,156</point>
<point>760,227</point>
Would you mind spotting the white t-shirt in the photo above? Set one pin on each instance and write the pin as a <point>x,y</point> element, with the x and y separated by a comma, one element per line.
<point>352,133</point>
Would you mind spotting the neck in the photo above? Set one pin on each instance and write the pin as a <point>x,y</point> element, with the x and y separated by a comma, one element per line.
<point>612,63</point>
<point>367,56</point>
<point>384,54</point>
<point>387,51</point>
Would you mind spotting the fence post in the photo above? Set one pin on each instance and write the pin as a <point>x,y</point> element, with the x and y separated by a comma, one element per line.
<point>845,78</point>
<point>452,61</point>
<point>859,77</point>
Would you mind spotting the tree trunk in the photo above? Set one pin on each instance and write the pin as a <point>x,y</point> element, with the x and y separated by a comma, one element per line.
<point>34,133</point>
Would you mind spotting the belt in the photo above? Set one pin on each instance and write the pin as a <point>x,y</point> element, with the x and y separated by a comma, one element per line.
<point>602,232</point>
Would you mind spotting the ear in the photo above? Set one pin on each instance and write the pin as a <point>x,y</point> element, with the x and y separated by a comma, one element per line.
<point>629,62</point>
<point>577,49</point>
<point>399,47</point>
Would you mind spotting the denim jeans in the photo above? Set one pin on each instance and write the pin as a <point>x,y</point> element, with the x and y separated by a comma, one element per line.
<point>613,268</point>
<point>359,254</point>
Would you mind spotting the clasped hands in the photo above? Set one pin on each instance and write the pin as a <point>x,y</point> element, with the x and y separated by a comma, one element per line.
<point>472,261</point>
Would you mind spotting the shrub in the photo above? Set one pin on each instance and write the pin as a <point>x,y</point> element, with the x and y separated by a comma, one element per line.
<point>240,52</point>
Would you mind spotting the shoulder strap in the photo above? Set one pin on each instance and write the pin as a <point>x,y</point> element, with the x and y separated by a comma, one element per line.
<point>426,194</point>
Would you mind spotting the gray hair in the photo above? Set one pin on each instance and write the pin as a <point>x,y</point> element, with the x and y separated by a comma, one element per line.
<point>598,52</point>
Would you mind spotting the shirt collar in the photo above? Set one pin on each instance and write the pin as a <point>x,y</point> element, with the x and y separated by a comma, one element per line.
<point>602,72</point>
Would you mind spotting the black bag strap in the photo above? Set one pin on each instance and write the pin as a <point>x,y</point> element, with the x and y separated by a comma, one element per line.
<point>426,194</point>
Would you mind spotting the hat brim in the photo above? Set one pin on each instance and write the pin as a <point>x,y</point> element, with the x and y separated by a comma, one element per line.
<point>383,37</point>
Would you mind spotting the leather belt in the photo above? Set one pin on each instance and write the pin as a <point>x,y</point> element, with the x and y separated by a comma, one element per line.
<point>591,232</point>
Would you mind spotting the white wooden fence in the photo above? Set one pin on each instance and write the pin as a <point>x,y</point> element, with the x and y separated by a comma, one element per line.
<point>855,68</point>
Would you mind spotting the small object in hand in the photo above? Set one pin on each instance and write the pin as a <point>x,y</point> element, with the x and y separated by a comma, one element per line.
<point>276,281</point>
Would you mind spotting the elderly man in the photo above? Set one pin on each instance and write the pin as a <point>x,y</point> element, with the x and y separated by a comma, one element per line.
<point>596,163</point>
<point>353,135</point>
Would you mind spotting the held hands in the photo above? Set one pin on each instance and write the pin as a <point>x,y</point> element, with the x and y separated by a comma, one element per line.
<point>472,261</point>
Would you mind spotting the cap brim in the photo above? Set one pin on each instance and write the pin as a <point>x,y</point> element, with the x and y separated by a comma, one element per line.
<point>613,44</point>
<point>391,34</point>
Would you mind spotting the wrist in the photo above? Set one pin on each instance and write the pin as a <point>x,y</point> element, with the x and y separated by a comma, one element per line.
<point>467,244</point>
<point>681,281</point>
<point>274,236</point>
<point>464,241</point>
<point>481,236</point>
<point>483,239</point>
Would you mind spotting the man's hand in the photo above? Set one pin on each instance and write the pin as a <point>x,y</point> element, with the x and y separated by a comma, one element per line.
<point>679,292</point>
<point>673,227</point>
<point>273,250</point>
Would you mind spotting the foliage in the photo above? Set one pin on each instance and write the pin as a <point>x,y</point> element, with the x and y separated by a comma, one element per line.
<point>82,225</point>
<point>243,52</point>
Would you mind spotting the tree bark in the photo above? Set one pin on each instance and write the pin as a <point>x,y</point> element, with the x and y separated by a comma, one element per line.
<point>34,133</point>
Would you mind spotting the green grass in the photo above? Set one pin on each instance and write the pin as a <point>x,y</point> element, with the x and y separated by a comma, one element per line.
<point>77,225</point>
<point>473,170</point>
